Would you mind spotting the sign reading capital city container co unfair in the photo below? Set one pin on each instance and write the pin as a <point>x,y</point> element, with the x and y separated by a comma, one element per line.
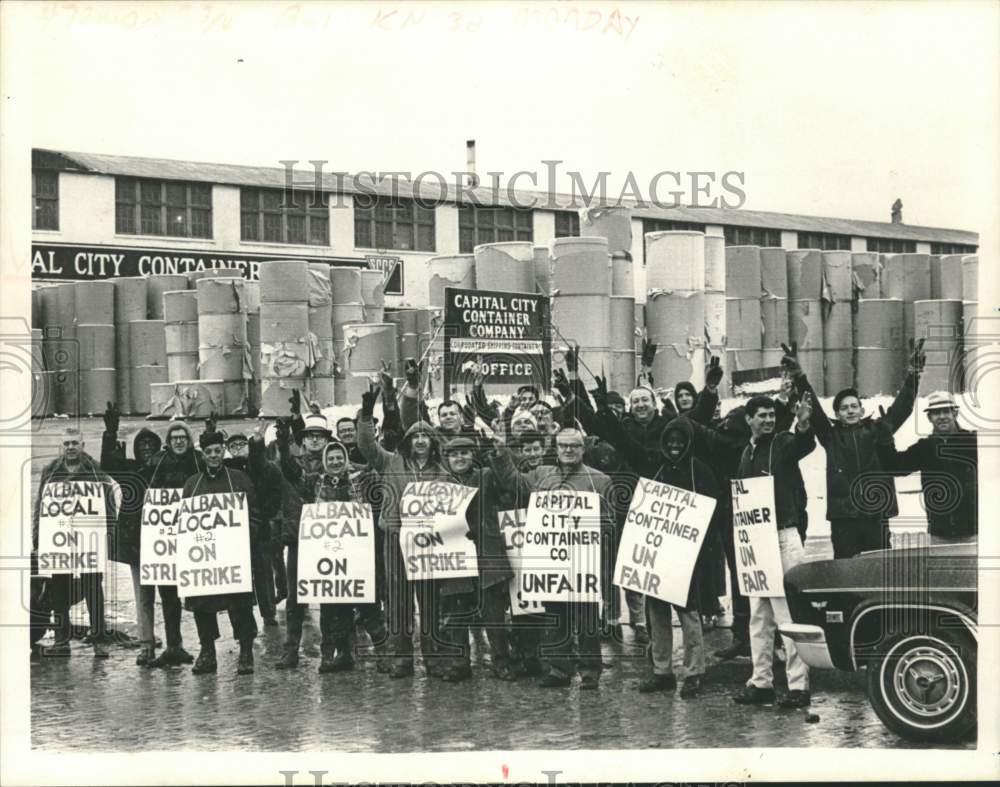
<point>158,537</point>
<point>755,537</point>
<point>72,528</point>
<point>434,535</point>
<point>512,525</point>
<point>213,545</point>
<point>336,553</point>
<point>502,335</point>
<point>561,557</point>
<point>664,530</point>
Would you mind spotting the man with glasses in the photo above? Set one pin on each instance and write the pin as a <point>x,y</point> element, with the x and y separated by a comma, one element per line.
<point>573,620</point>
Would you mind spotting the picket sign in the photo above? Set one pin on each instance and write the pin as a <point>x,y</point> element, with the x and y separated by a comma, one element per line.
<point>158,537</point>
<point>755,538</point>
<point>336,563</point>
<point>213,545</point>
<point>512,526</point>
<point>434,535</point>
<point>664,530</point>
<point>561,556</point>
<point>72,528</point>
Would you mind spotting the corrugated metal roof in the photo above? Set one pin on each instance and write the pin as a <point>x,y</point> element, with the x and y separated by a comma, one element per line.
<point>431,189</point>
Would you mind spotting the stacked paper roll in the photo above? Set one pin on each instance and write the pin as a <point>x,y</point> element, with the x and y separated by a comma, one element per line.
<point>148,351</point>
<point>939,323</point>
<point>946,277</point>
<point>131,304</point>
<point>373,295</point>
<point>223,343</point>
<point>198,398</point>
<point>908,277</point>
<point>879,358</point>
<point>507,267</point>
<point>866,269</point>
<point>805,328</point>
<point>287,353</point>
<point>621,371</point>
<point>773,304</point>
<point>97,369</point>
<point>805,274</point>
<point>457,270</point>
<point>614,224</point>
<point>365,348</point>
<point>543,270</point>
<point>156,286</point>
<point>180,326</point>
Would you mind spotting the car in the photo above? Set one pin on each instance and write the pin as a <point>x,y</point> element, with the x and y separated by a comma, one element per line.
<point>908,617</point>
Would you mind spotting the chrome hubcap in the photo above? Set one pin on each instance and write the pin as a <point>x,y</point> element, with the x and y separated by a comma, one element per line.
<point>928,681</point>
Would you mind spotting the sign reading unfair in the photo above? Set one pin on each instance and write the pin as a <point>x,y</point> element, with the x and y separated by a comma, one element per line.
<point>336,553</point>
<point>72,528</point>
<point>502,335</point>
<point>213,545</point>
<point>512,526</point>
<point>158,537</point>
<point>664,530</point>
<point>561,557</point>
<point>755,536</point>
<point>434,535</point>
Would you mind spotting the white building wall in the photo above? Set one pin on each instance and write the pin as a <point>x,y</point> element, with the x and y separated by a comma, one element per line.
<point>789,240</point>
<point>923,247</point>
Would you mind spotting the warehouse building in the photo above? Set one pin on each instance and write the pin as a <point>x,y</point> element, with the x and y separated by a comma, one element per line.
<point>96,216</point>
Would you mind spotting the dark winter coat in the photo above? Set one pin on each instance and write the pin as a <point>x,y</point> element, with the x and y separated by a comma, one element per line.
<point>484,526</point>
<point>778,455</point>
<point>166,470</point>
<point>131,477</point>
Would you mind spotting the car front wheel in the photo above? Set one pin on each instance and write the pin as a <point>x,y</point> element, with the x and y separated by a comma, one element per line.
<point>924,686</point>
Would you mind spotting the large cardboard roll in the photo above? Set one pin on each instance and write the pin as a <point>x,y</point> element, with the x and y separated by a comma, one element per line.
<point>838,369</point>
<point>879,371</point>
<point>252,289</point>
<point>222,296</point>
<point>286,359</point>
<point>580,266</point>
<point>36,308</point>
<point>744,328</point>
<point>743,277</point>
<point>347,285</point>
<point>199,398</point>
<point>180,337</point>
<point>322,391</point>
<point>878,324</point>
<point>142,377</point>
<point>321,321</point>
<point>284,280</point>
<point>131,299</point>
<point>584,319</point>
<point>676,261</point>
<point>373,288</point>
<point>805,274</point>
<point>543,270</point>
<point>907,276</point>
<point>366,346</point>
<point>674,363</point>
<point>66,391</point>
<point>715,263</point>
<point>43,394</point>
<point>97,388</point>
<point>805,325</point>
<point>774,318</point>
<point>123,361</point>
<point>231,362</point>
<point>179,306</point>
<point>156,286</point>
<point>508,267</point>
<point>622,275</point>
<point>622,322</point>
<point>838,330</point>
<point>838,283</point>
<point>347,314</point>
<point>970,277</point>
<point>97,346</point>
<point>715,318</point>
<point>283,321</point>
<point>866,269</point>
<point>946,277</point>
<point>621,372</point>
<point>676,318</point>
<point>221,330</point>
<point>95,299</point>
<point>326,359</point>
<point>275,393</point>
<point>182,366</point>
<point>939,323</point>
<point>66,310</point>
<point>320,286</point>
<point>811,362</point>
<point>614,223</point>
<point>456,270</point>
<point>50,314</point>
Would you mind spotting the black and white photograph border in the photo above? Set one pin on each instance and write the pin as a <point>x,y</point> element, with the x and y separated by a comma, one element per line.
<point>377,207</point>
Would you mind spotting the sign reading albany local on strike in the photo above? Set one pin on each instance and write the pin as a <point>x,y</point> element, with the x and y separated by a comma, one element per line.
<point>72,528</point>
<point>755,536</point>
<point>561,556</point>
<point>513,524</point>
<point>434,536</point>
<point>213,545</point>
<point>158,537</point>
<point>502,335</point>
<point>664,530</point>
<point>336,553</point>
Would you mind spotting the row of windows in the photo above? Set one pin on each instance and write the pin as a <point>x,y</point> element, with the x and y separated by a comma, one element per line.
<point>184,210</point>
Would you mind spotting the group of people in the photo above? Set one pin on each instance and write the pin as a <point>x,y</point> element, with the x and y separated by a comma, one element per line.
<point>585,441</point>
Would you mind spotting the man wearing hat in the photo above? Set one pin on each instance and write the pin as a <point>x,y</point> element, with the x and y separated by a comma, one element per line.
<point>948,463</point>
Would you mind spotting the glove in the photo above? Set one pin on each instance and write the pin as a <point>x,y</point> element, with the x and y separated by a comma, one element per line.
<point>387,382</point>
<point>120,451</point>
<point>572,359</point>
<point>561,384</point>
<point>917,357</point>
<point>789,362</point>
<point>295,400</point>
<point>412,372</point>
<point>600,393</point>
<point>468,411</point>
<point>368,400</point>
<point>713,375</point>
<point>210,422</point>
<point>648,353</point>
<point>284,431</point>
<point>112,416</point>
<point>669,411</point>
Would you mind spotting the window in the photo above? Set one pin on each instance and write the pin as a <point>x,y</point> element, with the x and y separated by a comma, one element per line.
<point>392,223</point>
<point>952,248</point>
<point>44,199</point>
<point>567,224</point>
<point>491,225</point>
<point>824,241</point>
<point>891,245</point>
<point>752,236</point>
<point>303,219</point>
<point>663,225</point>
<point>163,207</point>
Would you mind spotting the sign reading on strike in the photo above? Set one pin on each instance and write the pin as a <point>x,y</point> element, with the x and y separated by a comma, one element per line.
<point>213,545</point>
<point>502,335</point>
<point>336,553</point>
<point>561,557</point>
<point>755,536</point>
<point>158,537</point>
<point>512,525</point>
<point>72,528</point>
<point>434,536</point>
<point>664,530</point>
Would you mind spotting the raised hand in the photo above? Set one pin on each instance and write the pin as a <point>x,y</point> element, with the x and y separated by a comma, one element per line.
<point>804,411</point>
<point>212,421</point>
<point>917,357</point>
<point>561,383</point>
<point>368,399</point>
<point>713,375</point>
<point>572,356</point>
<point>412,373</point>
<point>386,380</point>
<point>789,361</point>
<point>648,353</point>
<point>295,402</point>
<point>283,431</point>
<point>112,417</point>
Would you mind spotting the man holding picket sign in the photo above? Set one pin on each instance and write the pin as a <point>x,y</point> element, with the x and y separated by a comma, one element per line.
<point>217,526</point>
<point>766,511</point>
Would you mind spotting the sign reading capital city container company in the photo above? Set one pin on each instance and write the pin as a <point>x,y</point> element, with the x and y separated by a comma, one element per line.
<point>336,553</point>
<point>213,545</point>
<point>502,335</point>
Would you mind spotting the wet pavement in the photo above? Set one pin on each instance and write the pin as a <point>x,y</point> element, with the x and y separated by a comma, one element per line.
<point>83,704</point>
